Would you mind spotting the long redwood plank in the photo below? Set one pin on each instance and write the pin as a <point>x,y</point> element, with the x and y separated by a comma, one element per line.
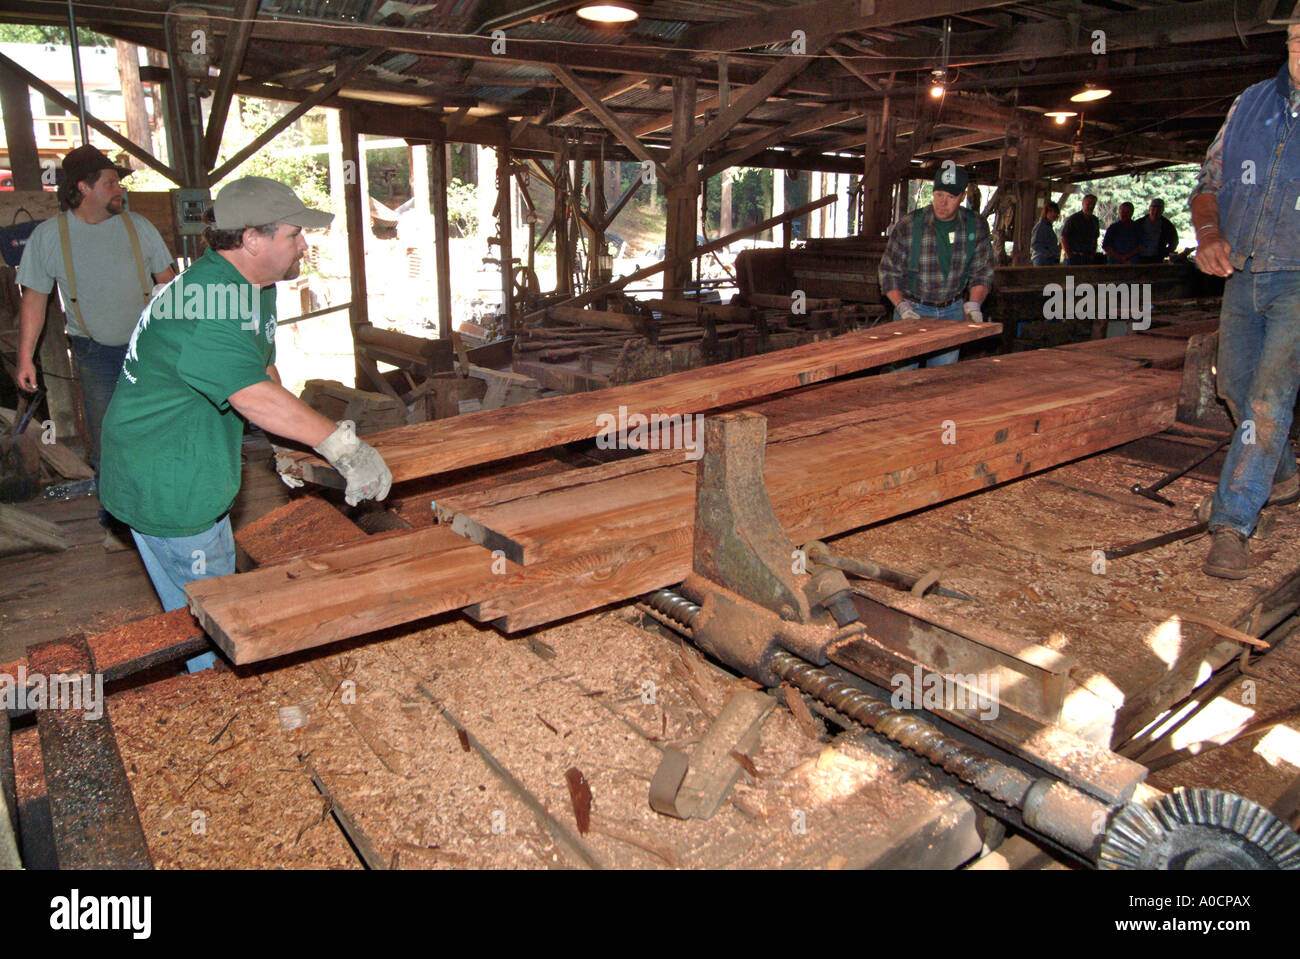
<point>439,446</point>
<point>819,483</point>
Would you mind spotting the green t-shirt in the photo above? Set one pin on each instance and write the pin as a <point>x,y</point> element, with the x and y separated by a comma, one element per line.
<point>943,243</point>
<point>170,464</point>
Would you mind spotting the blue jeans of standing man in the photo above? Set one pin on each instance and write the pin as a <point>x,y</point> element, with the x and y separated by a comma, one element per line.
<point>1259,374</point>
<point>174,561</point>
<point>953,311</point>
<point>98,367</point>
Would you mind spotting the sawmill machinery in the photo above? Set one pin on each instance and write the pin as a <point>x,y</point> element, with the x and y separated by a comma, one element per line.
<point>778,615</point>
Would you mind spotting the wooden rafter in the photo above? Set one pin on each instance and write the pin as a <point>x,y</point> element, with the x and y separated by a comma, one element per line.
<point>232,58</point>
<point>607,119</point>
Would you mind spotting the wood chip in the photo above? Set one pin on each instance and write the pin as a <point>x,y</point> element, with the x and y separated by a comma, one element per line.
<point>580,794</point>
<point>794,700</point>
<point>746,763</point>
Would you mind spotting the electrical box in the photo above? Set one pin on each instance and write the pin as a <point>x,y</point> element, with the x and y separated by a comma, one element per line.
<point>188,207</point>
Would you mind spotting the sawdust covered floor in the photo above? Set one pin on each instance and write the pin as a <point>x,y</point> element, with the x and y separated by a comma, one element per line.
<point>46,596</point>
<point>450,746</point>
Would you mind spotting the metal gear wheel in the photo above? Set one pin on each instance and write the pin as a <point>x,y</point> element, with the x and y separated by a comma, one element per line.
<point>1199,829</point>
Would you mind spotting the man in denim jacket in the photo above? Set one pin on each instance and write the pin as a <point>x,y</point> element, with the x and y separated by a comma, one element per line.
<point>1246,209</point>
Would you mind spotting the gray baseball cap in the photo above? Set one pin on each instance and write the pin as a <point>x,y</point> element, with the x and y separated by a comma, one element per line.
<point>257,200</point>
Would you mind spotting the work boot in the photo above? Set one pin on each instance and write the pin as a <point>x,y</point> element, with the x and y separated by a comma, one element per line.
<point>1229,556</point>
<point>1287,491</point>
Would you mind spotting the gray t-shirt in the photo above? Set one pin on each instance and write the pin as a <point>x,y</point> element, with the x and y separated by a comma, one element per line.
<point>108,282</point>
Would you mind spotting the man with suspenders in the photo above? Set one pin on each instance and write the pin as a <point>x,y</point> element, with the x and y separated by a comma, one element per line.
<point>938,263</point>
<point>106,263</point>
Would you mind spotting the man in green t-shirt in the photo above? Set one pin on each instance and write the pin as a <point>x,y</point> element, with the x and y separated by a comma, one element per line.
<point>200,362</point>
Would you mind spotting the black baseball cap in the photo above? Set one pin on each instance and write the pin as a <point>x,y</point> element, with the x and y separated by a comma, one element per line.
<point>85,161</point>
<point>951,178</point>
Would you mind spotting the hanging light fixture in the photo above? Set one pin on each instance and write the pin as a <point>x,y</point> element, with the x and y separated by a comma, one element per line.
<point>939,76</point>
<point>1089,93</point>
<point>1060,116</point>
<point>608,13</point>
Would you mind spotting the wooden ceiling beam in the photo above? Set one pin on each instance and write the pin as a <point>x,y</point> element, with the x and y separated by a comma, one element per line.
<point>836,16</point>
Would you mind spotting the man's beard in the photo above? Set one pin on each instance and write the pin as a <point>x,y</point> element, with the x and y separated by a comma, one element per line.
<point>115,205</point>
<point>292,272</point>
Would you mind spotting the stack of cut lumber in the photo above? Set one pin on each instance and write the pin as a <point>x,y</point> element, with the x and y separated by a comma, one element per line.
<point>440,446</point>
<point>840,456</point>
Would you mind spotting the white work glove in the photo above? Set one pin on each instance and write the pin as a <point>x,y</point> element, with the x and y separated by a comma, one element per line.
<point>282,463</point>
<point>358,462</point>
<point>906,311</point>
<point>973,312</point>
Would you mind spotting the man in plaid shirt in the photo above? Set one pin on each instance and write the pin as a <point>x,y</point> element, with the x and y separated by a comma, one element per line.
<point>939,260</point>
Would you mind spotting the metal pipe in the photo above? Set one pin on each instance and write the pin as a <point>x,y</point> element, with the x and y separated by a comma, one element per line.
<point>76,74</point>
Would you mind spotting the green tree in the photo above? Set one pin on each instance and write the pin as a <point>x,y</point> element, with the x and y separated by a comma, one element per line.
<point>37,33</point>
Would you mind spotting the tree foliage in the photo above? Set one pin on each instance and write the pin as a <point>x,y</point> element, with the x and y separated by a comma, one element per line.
<point>38,33</point>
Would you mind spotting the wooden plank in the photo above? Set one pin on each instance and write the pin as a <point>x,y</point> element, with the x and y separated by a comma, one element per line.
<point>600,319</point>
<point>27,532</point>
<point>57,456</point>
<point>873,455</point>
<point>424,449</point>
<point>818,483</point>
<point>96,825</point>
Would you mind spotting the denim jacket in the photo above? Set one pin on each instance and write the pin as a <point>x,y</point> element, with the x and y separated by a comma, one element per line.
<point>1259,200</point>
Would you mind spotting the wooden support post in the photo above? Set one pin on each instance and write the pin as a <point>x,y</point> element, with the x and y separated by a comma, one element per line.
<point>1027,169</point>
<point>599,272</point>
<point>505,230</point>
<point>680,234</point>
<point>438,177</point>
<point>232,58</point>
<point>563,252</point>
<point>778,195</point>
<point>357,210</point>
<point>20,134</point>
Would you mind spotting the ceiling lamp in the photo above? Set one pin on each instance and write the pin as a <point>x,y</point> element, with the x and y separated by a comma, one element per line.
<point>608,13</point>
<point>938,83</point>
<point>1060,116</point>
<point>1089,93</point>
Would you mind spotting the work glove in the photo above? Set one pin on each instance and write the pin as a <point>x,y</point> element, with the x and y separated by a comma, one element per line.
<point>906,311</point>
<point>973,312</point>
<point>358,462</point>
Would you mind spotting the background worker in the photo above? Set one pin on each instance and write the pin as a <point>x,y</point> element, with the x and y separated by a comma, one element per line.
<point>106,263</point>
<point>1079,234</point>
<point>1045,248</point>
<point>938,262</point>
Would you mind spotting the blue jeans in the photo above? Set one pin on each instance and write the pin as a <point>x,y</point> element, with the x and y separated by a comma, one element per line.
<point>953,311</point>
<point>174,561</point>
<point>1258,377</point>
<point>1079,259</point>
<point>98,367</point>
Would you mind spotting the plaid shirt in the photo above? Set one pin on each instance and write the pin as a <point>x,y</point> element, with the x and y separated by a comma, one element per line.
<point>931,285</point>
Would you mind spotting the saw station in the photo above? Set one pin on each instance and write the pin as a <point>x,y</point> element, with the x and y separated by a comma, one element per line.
<point>916,516</point>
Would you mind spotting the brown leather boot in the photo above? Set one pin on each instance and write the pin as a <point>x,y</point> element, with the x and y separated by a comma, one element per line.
<point>1285,492</point>
<point>1229,556</point>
